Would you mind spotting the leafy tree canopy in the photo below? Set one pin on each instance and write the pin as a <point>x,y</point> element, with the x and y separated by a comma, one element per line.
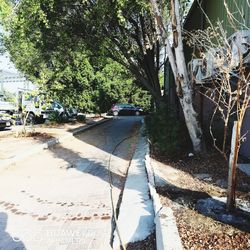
<point>5,9</point>
<point>47,41</point>
<point>116,85</point>
<point>123,30</point>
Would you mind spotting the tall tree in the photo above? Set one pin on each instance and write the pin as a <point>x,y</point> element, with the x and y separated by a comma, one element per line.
<point>5,9</point>
<point>122,30</point>
<point>73,76</point>
<point>115,84</point>
<point>170,30</point>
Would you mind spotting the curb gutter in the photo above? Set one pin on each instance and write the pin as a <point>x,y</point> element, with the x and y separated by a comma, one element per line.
<point>167,235</point>
<point>50,143</point>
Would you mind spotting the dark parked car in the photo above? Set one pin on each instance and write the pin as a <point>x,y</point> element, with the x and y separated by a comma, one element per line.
<point>125,109</point>
<point>5,121</point>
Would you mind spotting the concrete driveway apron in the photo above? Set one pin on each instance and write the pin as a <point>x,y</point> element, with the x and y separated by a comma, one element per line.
<point>59,199</point>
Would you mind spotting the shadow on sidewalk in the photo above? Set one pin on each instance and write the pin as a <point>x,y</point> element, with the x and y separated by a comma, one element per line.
<point>108,135</point>
<point>91,166</point>
<point>8,242</point>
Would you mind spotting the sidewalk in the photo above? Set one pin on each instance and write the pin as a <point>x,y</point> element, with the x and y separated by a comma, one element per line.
<point>136,213</point>
<point>14,149</point>
<point>141,212</point>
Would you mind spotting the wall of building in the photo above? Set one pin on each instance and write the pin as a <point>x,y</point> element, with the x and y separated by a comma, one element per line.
<point>245,145</point>
<point>216,10</point>
<point>12,82</point>
<point>196,19</point>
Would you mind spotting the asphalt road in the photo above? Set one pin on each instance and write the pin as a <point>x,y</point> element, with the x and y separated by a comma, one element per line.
<point>60,199</point>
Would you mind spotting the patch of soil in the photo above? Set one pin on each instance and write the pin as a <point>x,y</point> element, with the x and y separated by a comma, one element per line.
<point>189,179</point>
<point>201,232</point>
<point>211,163</point>
<point>43,137</point>
<point>63,125</point>
<point>38,136</point>
<point>148,244</point>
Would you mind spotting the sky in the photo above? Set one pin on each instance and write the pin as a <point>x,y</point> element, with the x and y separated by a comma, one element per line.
<point>7,69</point>
<point>5,63</point>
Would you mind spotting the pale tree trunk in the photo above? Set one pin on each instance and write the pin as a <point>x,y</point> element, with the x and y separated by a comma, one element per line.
<point>182,79</point>
<point>232,167</point>
<point>178,64</point>
<point>192,123</point>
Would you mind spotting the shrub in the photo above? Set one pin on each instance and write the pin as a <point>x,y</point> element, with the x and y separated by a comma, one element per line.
<point>165,131</point>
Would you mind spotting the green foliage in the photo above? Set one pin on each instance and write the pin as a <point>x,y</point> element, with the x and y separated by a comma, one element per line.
<point>69,80</point>
<point>54,42</point>
<point>5,9</point>
<point>165,131</point>
<point>45,50</point>
<point>141,98</point>
<point>114,84</point>
<point>48,40</point>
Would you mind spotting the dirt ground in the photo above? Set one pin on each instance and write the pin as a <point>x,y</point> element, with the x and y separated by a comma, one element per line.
<point>42,131</point>
<point>148,244</point>
<point>183,182</point>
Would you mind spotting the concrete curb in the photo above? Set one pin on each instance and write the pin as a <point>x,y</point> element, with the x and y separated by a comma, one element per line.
<point>167,235</point>
<point>50,143</point>
<point>136,213</point>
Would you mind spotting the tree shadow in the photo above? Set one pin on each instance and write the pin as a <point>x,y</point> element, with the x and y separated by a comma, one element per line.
<point>105,138</point>
<point>94,166</point>
<point>8,242</point>
<point>110,134</point>
<point>210,168</point>
<point>208,206</point>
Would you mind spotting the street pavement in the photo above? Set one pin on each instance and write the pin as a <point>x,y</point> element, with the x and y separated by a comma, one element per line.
<point>60,198</point>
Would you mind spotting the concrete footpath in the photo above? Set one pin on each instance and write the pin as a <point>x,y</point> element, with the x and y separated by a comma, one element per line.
<point>136,215</point>
<point>141,212</point>
<point>14,149</point>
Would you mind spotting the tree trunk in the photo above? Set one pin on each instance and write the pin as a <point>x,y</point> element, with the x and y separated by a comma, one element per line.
<point>179,68</point>
<point>232,169</point>
<point>184,88</point>
<point>192,122</point>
